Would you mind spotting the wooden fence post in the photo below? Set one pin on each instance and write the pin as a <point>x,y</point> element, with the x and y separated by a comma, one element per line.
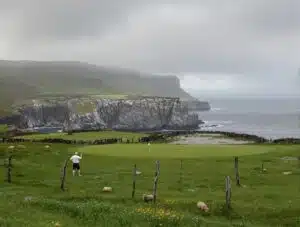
<point>236,168</point>
<point>9,168</point>
<point>63,177</point>
<point>133,181</point>
<point>157,171</point>
<point>228,192</point>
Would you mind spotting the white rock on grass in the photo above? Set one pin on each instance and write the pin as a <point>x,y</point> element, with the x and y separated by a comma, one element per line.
<point>11,147</point>
<point>138,172</point>
<point>107,189</point>
<point>47,147</point>
<point>191,190</point>
<point>289,158</point>
<point>287,173</point>
<point>28,198</point>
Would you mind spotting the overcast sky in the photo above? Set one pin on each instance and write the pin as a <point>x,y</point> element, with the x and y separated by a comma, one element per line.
<point>218,45</point>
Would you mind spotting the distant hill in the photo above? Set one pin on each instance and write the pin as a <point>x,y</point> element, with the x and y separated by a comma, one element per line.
<point>20,80</point>
<point>12,91</point>
<point>55,77</point>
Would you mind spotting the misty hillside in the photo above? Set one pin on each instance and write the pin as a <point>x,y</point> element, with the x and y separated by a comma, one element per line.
<point>11,91</point>
<point>76,77</point>
<point>21,80</point>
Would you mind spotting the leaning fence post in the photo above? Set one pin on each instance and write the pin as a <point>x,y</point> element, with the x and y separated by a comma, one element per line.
<point>228,192</point>
<point>63,177</point>
<point>236,168</point>
<point>133,181</point>
<point>156,181</point>
<point>9,168</point>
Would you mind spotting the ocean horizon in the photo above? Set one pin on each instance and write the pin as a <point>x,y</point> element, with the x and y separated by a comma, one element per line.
<point>272,117</point>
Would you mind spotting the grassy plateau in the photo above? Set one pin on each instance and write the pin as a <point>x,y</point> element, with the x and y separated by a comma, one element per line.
<point>86,135</point>
<point>266,198</point>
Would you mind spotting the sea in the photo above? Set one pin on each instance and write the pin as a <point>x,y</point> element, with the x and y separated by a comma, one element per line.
<point>270,117</point>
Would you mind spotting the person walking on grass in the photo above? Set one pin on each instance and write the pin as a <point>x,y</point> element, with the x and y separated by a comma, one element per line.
<point>76,159</point>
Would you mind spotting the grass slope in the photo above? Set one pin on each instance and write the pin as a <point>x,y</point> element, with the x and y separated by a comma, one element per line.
<point>12,91</point>
<point>34,199</point>
<point>173,151</point>
<point>86,135</point>
<point>3,129</point>
<point>22,80</point>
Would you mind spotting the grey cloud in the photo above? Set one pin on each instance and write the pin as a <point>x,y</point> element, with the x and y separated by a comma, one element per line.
<point>274,17</point>
<point>249,37</point>
<point>43,21</point>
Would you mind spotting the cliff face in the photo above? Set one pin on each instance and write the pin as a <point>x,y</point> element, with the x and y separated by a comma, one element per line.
<point>136,114</point>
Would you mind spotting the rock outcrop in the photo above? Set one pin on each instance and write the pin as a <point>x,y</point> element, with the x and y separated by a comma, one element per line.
<point>147,113</point>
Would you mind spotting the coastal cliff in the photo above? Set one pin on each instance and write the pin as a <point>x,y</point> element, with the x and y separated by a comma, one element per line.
<point>146,113</point>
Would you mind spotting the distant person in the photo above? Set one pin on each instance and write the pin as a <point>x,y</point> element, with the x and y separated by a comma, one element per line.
<point>76,167</point>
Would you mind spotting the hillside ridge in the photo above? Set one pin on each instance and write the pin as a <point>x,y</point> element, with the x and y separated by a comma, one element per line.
<point>42,78</point>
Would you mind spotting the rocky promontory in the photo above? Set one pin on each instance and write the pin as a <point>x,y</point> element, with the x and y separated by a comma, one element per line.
<point>143,113</point>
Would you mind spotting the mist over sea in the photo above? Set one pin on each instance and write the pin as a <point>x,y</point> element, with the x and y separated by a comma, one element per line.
<point>267,117</point>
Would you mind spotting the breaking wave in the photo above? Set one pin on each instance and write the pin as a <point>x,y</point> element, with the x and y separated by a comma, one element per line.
<point>215,109</point>
<point>214,124</point>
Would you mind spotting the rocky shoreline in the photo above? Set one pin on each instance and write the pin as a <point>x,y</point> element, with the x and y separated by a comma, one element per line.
<point>229,137</point>
<point>207,139</point>
<point>170,136</point>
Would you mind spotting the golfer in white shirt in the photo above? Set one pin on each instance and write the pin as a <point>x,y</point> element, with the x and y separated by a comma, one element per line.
<point>76,159</point>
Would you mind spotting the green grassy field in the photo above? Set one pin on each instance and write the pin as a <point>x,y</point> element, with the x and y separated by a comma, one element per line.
<point>86,135</point>
<point>3,129</point>
<point>174,151</point>
<point>267,198</point>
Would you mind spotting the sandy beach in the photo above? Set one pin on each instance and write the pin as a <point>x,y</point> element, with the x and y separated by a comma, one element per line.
<point>207,139</point>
